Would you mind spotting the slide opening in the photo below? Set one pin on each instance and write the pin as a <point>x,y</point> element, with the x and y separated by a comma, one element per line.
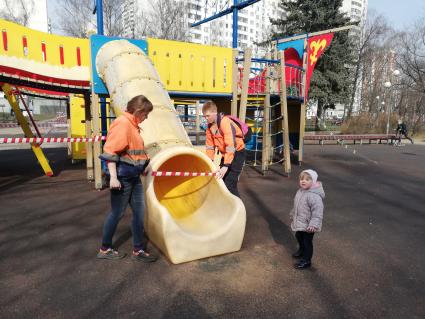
<point>183,196</point>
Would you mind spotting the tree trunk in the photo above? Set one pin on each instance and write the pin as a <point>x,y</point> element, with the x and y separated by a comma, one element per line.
<point>353,94</point>
<point>319,115</point>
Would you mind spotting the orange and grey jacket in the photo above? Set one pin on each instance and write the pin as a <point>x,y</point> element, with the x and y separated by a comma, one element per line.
<point>227,138</point>
<point>124,143</point>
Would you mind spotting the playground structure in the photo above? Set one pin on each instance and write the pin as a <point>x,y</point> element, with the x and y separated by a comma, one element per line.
<point>183,218</point>
<point>190,72</point>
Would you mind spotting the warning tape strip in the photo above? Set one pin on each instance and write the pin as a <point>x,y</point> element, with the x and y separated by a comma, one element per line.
<point>41,125</point>
<point>185,174</point>
<point>39,140</point>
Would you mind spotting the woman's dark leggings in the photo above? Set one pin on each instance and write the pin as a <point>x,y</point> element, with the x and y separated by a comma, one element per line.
<point>305,242</point>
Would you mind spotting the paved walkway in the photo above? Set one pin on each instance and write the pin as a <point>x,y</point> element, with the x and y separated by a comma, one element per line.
<point>368,263</point>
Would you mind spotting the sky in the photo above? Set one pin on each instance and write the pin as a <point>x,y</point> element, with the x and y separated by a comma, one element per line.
<point>400,13</point>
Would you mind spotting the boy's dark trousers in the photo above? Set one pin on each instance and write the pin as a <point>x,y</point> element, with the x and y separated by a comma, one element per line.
<point>305,242</point>
<point>232,176</point>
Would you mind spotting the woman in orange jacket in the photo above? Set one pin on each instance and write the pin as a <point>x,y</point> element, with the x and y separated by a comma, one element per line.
<point>224,135</point>
<point>127,159</point>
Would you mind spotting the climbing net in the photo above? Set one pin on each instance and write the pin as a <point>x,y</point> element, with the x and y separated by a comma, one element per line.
<point>264,96</point>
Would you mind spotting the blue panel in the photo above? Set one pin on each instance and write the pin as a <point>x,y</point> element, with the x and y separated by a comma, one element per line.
<point>96,42</point>
<point>298,45</point>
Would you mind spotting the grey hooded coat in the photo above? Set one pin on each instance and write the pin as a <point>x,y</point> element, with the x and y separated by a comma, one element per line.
<point>308,208</point>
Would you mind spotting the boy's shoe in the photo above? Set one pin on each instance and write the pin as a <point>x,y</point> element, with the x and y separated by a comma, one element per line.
<point>144,256</point>
<point>297,254</point>
<point>302,264</point>
<point>110,254</point>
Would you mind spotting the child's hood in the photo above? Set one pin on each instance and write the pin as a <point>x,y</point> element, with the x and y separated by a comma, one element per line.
<point>317,188</point>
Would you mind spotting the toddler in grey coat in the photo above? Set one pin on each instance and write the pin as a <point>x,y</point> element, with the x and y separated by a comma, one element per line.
<point>307,215</point>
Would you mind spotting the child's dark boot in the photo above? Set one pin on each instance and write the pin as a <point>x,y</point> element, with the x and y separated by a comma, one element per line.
<point>303,264</point>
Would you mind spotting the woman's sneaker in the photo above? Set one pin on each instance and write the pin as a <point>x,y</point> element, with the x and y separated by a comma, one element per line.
<point>110,254</point>
<point>144,256</point>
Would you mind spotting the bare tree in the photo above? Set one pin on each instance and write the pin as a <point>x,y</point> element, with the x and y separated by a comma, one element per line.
<point>374,72</point>
<point>411,62</point>
<point>113,17</point>
<point>18,11</point>
<point>411,59</point>
<point>165,19</point>
<point>76,17</point>
<point>405,96</point>
<point>372,36</point>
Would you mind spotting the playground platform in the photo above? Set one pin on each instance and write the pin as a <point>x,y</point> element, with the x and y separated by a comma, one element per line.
<point>367,261</point>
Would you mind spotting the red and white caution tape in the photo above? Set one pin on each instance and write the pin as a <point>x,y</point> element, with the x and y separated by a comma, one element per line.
<point>41,125</point>
<point>185,174</point>
<point>40,140</point>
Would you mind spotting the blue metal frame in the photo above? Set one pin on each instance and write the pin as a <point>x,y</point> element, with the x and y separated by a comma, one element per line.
<point>96,42</point>
<point>233,9</point>
<point>99,12</point>
<point>103,116</point>
<point>235,25</point>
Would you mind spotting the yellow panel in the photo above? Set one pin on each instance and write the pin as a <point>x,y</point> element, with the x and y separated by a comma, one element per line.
<point>16,32</point>
<point>192,67</point>
<point>78,128</point>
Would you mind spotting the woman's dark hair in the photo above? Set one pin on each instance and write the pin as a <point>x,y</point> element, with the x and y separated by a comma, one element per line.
<point>139,103</point>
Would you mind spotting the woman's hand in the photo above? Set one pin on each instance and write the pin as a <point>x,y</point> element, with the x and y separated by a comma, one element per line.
<point>114,183</point>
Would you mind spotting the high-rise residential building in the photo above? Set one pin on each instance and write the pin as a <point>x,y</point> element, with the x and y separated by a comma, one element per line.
<point>129,11</point>
<point>357,11</point>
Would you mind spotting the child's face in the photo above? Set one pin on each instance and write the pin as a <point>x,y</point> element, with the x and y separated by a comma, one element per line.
<point>305,182</point>
<point>211,117</point>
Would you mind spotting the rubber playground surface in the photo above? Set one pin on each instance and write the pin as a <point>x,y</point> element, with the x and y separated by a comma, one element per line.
<point>368,262</point>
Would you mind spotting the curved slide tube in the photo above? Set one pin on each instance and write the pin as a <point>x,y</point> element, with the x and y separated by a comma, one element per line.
<point>187,218</point>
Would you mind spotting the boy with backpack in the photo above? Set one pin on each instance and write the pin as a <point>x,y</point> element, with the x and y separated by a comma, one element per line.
<point>228,135</point>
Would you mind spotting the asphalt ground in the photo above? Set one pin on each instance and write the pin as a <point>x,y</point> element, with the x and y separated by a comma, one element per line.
<point>369,260</point>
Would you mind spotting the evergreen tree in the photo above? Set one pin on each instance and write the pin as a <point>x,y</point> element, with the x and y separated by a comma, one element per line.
<point>331,81</point>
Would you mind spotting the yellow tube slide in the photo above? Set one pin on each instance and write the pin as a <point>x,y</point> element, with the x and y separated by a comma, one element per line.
<point>187,218</point>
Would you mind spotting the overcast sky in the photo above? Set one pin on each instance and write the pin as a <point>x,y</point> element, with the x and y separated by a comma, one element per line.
<point>400,13</point>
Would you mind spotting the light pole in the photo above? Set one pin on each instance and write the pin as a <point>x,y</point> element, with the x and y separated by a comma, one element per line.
<point>388,85</point>
<point>377,104</point>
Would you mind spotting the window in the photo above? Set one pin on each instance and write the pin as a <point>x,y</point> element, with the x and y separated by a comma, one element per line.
<point>357,4</point>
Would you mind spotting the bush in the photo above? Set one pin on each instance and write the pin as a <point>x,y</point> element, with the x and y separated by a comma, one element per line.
<point>369,123</point>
